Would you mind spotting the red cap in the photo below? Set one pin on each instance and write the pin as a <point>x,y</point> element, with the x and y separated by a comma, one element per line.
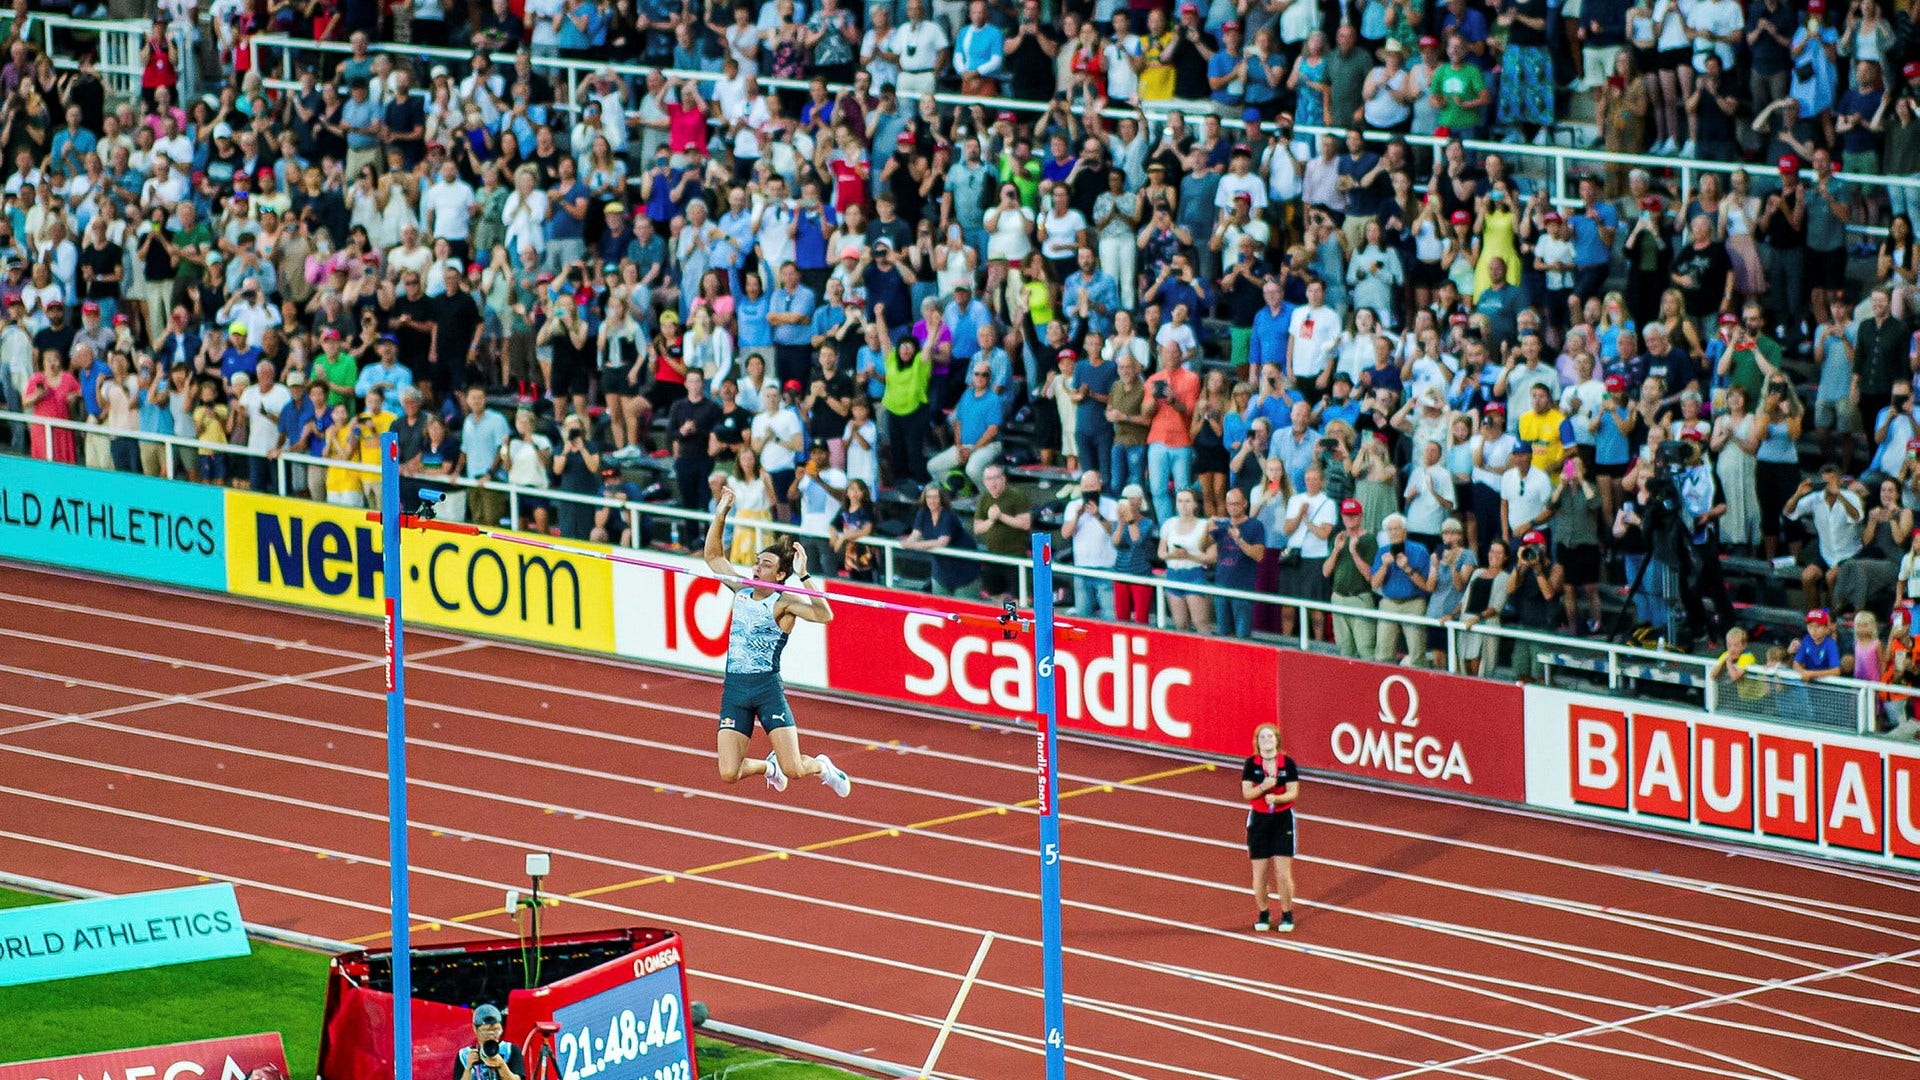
<point>1552,217</point>
<point>1428,41</point>
<point>1534,536</point>
<point>1650,202</point>
<point>265,174</point>
<point>543,277</point>
<point>1903,609</point>
<point>1005,114</point>
<point>1818,616</point>
<point>1816,7</point>
<point>1351,506</point>
<point>1242,196</point>
<point>475,268</point>
<point>121,319</point>
<point>1911,71</point>
<point>1068,354</point>
<point>1458,318</point>
<point>583,296</point>
<point>793,386</point>
<point>1693,435</point>
<point>905,139</point>
<point>89,308</point>
<point>1230,24</point>
<point>1443,133</point>
<point>1495,408</point>
<point>328,333</point>
<point>1728,318</point>
<point>1789,163</point>
<point>1616,383</point>
<point>1189,6</point>
<point>1460,217</point>
<point>370,257</point>
<point>1913,446</point>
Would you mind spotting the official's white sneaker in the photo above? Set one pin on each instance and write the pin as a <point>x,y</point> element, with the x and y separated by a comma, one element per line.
<point>776,779</point>
<point>834,777</point>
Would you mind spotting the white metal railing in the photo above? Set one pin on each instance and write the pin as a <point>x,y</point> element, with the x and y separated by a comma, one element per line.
<point>117,56</point>
<point>1837,703</point>
<point>1551,161</point>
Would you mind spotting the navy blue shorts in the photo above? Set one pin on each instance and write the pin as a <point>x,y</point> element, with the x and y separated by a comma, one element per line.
<point>745,698</point>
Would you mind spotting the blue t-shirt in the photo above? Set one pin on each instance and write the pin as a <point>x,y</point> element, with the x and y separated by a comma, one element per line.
<point>1588,248</point>
<point>751,318</point>
<point>1399,586</point>
<point>1096,379</point>
<point>1817,655</point>
<point>562,225</point>
<point>975,413</point>
<point>1235,570</point>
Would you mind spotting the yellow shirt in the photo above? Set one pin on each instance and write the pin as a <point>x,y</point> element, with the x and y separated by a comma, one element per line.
<point>210,425</point>
<point>1156,77</point>
<point>339,448</point>
<point>370,432</point>
<point>1541,431</point>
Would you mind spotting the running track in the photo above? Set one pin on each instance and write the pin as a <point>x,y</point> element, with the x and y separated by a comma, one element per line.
<point>152,738</point>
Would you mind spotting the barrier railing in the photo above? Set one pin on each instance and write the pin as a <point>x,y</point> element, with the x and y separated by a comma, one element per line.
<point>118,51</point>
<point>1840,704</point>
<point>1551,161</point>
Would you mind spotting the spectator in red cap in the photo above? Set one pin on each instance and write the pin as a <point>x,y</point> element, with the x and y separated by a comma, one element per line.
<point>1348,569</point>
<point>1535,600</point>
<point>1816,655</point>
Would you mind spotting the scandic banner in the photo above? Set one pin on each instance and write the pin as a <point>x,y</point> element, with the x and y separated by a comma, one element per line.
<point>1723,777</point>
<point>1425,728</point>
<point>245,1057</point>
<point>1180,690</point>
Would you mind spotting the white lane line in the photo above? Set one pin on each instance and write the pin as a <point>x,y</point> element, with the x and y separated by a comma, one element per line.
<point>672,747</point>
<point>1854,873</point>
<point>216,875</point>
<point>1403,968</point>
<point>1567,1038</point>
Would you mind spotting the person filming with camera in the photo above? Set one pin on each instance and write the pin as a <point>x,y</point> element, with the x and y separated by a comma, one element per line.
<point>1533,600</point>
<point>489,1058</point>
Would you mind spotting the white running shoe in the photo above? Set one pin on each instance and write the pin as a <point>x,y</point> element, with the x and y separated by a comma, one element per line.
<point>776,779</point>
<point>834,776</point>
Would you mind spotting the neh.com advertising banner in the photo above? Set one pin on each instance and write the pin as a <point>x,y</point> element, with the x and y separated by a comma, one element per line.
<point>1724,778</point>
<point>1425,728</point>
<point>1179,690</point>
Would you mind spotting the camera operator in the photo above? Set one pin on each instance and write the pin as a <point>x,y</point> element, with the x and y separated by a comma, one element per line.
<point>1533,601</point>
<point>489,1058</point>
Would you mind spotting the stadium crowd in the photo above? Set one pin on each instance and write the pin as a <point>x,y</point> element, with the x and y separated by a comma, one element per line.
<point>1339,366</point>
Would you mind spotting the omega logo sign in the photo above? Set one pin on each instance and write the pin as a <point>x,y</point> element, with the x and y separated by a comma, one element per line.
<point>1395,745</point>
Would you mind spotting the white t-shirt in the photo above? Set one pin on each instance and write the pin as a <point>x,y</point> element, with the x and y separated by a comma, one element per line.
<point>1250,185</point>
<point>1553,250</point>
<point>263,414</point>
<point>1315,332</point>
<point>1093,540</point>
<point>540,14</point>
<point>1062,237</point>
<point>1426,486</point>
<point>1582,403</point>
<point>523,461</point>
<point>780,424</point>
<point>918,46</point>
<point>448,206</point>
<point>1496,451</point>
<point>1526,491</point>
<point>863,462</point>
<point>1319,510</point>
<point>817,504</point>
<point>1117,59</point>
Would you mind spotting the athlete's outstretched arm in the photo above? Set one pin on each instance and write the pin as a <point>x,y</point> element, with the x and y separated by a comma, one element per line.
<point>716,550</point>
<point>810,608</point>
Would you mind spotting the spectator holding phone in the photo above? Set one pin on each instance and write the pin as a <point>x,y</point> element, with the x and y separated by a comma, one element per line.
<point>1402,579</point>
<point>489,1058</point>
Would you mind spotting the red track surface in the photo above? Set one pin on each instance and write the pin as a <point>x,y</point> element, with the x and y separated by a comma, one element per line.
<point>150,737</point>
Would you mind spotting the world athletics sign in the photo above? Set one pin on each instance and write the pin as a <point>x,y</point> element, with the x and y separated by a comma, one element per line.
<point>120,933</point>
